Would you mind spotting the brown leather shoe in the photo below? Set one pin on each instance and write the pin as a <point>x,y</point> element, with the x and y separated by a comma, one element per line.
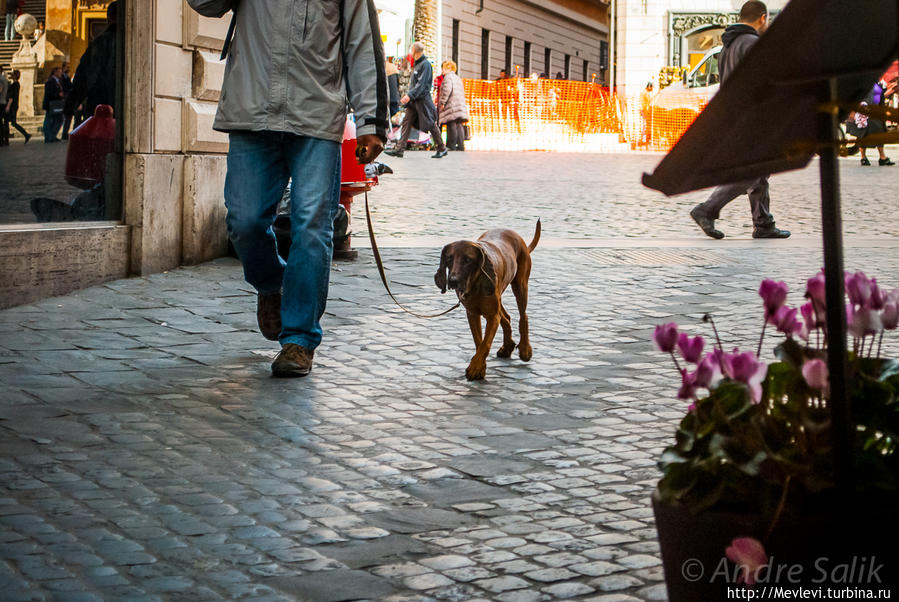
<point>293,360</point>
<point>268,315</point>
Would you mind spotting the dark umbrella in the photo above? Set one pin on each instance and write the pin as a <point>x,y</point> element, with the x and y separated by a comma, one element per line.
<point>776,112</point>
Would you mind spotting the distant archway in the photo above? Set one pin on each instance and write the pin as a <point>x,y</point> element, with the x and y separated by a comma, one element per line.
<point>687,30</point>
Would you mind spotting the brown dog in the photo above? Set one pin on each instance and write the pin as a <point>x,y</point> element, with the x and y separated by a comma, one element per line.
<point>479,272</point>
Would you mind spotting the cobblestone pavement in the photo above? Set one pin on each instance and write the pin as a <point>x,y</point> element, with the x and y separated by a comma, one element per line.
<point>600,196</point>
<point>146,454</point>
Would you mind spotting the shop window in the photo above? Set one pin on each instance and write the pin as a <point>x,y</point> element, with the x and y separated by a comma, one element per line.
<point>527,59</point>
<point>485,54</point>
<point>70,168</point>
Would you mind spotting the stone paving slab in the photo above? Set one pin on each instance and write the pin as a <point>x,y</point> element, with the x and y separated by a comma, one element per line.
<point>159,464</point>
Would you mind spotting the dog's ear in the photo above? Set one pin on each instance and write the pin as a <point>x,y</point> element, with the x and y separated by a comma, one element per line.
<point>440,276</point>
<point>487,278</point>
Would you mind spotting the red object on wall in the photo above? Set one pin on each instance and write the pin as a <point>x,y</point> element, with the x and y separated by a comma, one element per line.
<point>88,146</point>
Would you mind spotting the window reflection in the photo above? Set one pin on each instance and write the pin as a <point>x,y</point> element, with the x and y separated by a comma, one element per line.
<point>61,159</point>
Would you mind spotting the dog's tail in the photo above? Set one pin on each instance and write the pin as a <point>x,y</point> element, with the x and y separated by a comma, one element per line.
<point>536,237</point>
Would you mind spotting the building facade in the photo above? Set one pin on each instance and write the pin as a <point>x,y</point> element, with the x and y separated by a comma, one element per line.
<point>567,37</point>
<point>652,34</point>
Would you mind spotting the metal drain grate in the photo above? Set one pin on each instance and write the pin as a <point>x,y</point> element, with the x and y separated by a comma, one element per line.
<point>653,257</point>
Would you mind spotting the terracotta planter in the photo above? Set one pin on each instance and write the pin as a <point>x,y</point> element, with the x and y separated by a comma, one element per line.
<point>821,550</point>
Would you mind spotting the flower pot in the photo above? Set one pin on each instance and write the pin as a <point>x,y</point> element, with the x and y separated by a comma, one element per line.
<point>854,549</point>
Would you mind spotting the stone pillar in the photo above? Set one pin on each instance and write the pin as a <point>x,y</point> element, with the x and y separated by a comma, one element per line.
<point>27,66</point>
<point>424,26</point>
<point>25,60</point>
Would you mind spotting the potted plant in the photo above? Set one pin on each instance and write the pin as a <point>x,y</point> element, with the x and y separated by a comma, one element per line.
<point>748,495</point>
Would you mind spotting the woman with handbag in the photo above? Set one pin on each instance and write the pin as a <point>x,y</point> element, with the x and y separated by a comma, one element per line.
<point>452,108</point>
<point>54,101</point>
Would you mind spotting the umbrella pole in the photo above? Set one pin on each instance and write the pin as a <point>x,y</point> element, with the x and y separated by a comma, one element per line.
<point>832,229</point>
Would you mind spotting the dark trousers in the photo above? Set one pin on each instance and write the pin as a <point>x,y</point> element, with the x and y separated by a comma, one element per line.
<point>406,128</point>
<point>759,201</point>
<point>455,135</point>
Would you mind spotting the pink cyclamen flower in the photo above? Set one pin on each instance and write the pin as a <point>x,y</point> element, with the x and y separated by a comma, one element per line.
<point>708,372</point>
<point>773,294</point>
<point>863,321</point>
<point>690,348</point>
<point>817,375</point>
<point>747,369</point>
<point>785,320</point>
<point>688,385</point>
<point>877,299</point>
<point>858,287</point>
<point>814,290</point>
<point>665,337</point>
<point>813,320</point>
<point>749,554</point>
<point>889,315</point>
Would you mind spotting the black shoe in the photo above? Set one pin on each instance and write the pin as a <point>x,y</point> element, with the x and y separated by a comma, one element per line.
<point>770,232</point>
<point>394,153</point>
<point>865,161</point>
<point>707,224</point>
<point>27,138</point>
<point>293,360</point>
<point>885,161</point>
<point>440,154</point>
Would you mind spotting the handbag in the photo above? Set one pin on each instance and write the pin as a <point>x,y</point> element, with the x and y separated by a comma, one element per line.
<point>57,106</point>
<point>466,132</point>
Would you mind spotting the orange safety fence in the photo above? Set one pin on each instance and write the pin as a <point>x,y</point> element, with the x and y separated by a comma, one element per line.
<point>570,116</point>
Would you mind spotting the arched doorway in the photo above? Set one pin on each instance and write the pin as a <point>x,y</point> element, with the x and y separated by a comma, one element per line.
<point>692,34</point>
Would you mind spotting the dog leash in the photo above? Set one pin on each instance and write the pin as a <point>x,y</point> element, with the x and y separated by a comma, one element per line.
<point>377,254</point>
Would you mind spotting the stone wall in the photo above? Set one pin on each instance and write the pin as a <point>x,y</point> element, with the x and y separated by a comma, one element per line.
<point>175,175</point>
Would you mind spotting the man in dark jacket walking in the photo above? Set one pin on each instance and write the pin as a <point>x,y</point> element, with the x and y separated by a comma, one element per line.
<point>420,110</point>
<point>52,105</point>
<point>737,40</point>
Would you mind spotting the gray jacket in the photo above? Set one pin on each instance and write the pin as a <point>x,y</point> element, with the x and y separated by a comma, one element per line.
<point>293,64</point>
<point>452,99</point>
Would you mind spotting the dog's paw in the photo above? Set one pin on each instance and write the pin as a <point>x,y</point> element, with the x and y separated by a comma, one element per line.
<point>476,370</point>
<point>525,352</point>
<point>506,350</point>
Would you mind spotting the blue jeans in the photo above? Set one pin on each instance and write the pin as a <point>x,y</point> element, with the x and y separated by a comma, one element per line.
<point>10,30</point>
<point>259,165</point>
<point>52,123</point>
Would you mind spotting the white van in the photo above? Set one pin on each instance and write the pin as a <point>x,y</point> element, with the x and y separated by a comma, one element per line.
<point>702,81</point>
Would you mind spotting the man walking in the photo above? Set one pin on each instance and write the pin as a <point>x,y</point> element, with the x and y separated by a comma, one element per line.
<point>737,40</point>
<point>53,105</point>
<point>420,110</point>
<point>291,68</point>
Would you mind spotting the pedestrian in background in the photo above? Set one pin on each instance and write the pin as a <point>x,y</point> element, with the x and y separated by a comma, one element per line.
<point>285,121</point>
<point>4,90</point>
<point>393,85</point>
<point>95,78</point>
<point>66,81</point>
<point>861,125</point>
<point>452,108</point>
<point>54,100</point>
<point>12,106</point>
<point>12,7</point>
<point>737,40</point>
<point>420,110</point>
<point>646,98</point>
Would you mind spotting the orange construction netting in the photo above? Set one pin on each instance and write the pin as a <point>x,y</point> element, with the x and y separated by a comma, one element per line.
<point>570,116</point>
